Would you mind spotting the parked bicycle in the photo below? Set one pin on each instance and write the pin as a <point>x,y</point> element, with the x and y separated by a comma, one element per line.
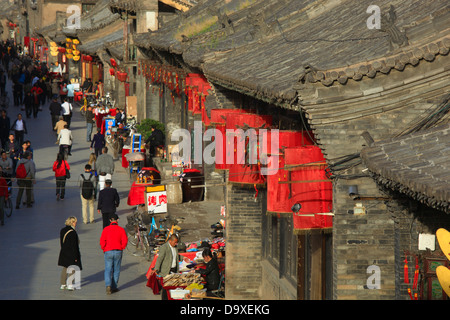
<point>138,244</point>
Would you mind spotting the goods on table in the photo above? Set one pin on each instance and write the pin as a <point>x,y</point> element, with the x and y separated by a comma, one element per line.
<point>178,293</point>
<point>181,279</point>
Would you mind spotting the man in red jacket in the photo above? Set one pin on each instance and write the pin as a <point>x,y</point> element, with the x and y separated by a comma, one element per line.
<point>112,241</point>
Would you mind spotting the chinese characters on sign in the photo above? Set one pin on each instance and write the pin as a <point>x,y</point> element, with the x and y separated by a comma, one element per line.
<point>156,199</point>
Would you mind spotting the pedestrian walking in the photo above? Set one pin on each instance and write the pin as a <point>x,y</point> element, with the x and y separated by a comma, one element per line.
<point>4,194</point>
<point>113,241</point>
<point>55,111</point>
<point>25,175</point>
<point>36,92</point>
<point>108,201</point>
<point>17,93</point>
<point>87,193</point>
<point>70,92</point>
<point>59,125</point>
<point>60,167</point>
<point>55,88</point>
<point>63,92</point>
<point>65,140</point>
<point>5,125</point>
<point>2,83</point>
<point>98,142</point>
<point>69,254</point>
<point>90,120</point>
<point>67,111</point>
<point>105,167</point>
<point>92,160</point>
<point>12,148</point>
<point>6,164</point>
<point>19,127</point>
<point>28,104</point>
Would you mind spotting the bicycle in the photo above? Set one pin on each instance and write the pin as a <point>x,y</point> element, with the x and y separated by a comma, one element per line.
<point>8,206</point>
<point>160,235</point>
<point>137,239</point>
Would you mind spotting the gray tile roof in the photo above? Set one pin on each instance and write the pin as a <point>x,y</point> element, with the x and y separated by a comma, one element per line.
<point>416,164</point>
<point>268,48</point>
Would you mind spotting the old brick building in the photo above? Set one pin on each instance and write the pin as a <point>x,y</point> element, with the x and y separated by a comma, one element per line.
<point>317,66</point>
<point>374,101</point>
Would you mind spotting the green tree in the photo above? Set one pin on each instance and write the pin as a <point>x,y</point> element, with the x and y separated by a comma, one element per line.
<point>145,127</point>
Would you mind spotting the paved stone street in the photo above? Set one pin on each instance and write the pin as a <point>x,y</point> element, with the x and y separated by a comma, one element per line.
<point>29,240</point>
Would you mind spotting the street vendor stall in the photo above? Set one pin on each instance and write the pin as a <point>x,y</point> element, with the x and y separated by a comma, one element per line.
<point>136,195</point>
<point>126,150</point>
<point>100,114</point>
<point>135,161</point>
<point>187,284</point>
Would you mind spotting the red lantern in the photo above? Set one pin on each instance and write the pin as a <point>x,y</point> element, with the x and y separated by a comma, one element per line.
<point>311,187</point>
<point>111,71</point>
<point>62,50</point>
<point>122,76</point>
<point>113,62</point>
<point>87,58</point>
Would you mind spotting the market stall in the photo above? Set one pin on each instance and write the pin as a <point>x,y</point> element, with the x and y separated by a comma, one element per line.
<point>187,284</point>
<point>126,150</point>
<point>148,176</point>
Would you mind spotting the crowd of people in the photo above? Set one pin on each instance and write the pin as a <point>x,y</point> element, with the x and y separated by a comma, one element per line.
<point>33,86</point>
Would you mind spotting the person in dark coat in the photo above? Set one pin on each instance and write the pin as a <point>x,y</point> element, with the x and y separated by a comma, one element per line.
<point>155,140</point>
<point>69,255</point>
<point>98,142</point>
<point>28,104</point>
<point>212,272</point>
<point>4,128</point>
<point>108,201</point>
<point>55,111</point>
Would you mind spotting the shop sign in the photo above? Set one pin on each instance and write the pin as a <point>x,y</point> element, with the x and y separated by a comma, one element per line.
<point>156,199</point>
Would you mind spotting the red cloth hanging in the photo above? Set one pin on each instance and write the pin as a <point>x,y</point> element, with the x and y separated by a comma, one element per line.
<point>279,195</point>
<point>245,167</point>
<point>311,187</point>
<point>218,120</point>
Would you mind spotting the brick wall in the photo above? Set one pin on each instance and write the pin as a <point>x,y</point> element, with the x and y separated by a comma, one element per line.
<point>375,238</point>
<point>244,243</point>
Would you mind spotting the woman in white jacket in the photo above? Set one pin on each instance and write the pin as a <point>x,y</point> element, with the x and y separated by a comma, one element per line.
<point>65,140</point>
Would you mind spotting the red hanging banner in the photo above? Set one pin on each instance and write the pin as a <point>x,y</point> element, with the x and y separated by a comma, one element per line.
<point>310,187</point>
<point>242,131</point>
<point>279,195</point>
<point>218,120</point>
